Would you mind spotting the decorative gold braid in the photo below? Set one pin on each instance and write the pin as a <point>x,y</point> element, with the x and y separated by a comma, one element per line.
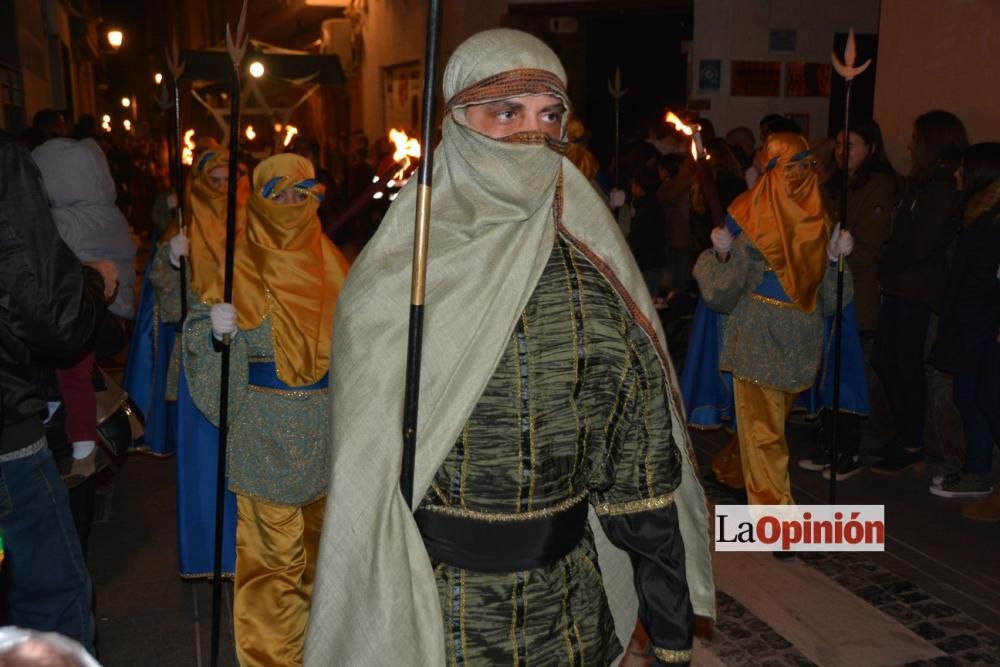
<point>288,393</point>
<point>633,506</point>
<point>773,302</point>
<point>501,517</point>
<point>672,655</point>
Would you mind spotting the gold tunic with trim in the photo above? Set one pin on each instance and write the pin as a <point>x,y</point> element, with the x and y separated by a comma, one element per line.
<point>576,411</point>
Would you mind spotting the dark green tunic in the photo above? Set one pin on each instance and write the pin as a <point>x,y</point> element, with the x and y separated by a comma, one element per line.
<point>577,407</point>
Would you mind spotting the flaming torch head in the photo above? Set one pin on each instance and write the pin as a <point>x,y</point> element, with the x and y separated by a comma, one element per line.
<point>187,155</point>
<point>406,148</point>
<point>688,130</point>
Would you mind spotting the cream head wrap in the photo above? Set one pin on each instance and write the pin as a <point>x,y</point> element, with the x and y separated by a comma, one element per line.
<point>496,206</point>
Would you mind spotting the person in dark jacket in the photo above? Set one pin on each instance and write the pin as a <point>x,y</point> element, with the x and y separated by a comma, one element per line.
<point>49,306</point>
<point>970,321</point>
<point>912,271</point>
<point>648,235</point>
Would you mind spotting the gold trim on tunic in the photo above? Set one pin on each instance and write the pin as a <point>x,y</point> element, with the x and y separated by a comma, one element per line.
<point>760,298</point>
<point>633,506</point>
<point>498,517</point>
<point>288,393</point>
<point>672,655</point>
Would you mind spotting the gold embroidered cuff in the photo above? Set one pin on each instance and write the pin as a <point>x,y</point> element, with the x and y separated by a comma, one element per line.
<point>672,655</point>
<point>633,506</point>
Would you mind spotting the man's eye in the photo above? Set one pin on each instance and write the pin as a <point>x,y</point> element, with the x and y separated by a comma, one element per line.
<point>551,117</point>
<point>505,115</point>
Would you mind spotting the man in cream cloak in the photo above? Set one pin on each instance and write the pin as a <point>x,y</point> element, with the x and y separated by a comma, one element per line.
<point>502,212</point>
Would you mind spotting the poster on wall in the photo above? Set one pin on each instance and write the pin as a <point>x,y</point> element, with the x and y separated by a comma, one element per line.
<point>710,75</point>
<point>402,86</point>
<point>755,79</point>
<point>808,79</point>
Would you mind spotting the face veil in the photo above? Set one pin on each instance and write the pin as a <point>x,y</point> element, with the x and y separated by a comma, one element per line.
<point>783,216</point>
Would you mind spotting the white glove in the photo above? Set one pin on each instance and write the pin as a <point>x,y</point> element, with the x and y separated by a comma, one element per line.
<point>617,198</point>
<point>179,247</point>
<point>109,272</point>
<point>722,240</point>
<point>841,243</point>
<point>223,316</point>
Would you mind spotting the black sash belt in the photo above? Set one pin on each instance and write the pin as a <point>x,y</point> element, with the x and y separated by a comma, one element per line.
<point>501,546</point>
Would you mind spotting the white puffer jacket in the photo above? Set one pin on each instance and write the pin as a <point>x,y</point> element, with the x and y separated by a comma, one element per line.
<point>82,195</point>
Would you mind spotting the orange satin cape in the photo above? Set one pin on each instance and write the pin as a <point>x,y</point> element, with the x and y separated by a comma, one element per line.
<point>205,215</point>
<point>783,216</point>
<point>289,269</point>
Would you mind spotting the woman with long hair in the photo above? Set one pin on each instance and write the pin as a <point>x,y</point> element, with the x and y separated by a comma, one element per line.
<point>870,201</point>
<point>969,331</point>
<point>912,271</point>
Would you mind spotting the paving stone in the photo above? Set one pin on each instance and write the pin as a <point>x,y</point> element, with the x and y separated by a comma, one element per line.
<point>947,661</point>
<point>874,594</point>
<point>899,586</point>
<point>958,643</point>
<point>913,597</point>
<point>928,631</point>
<point>900,612</point>
<point>935,609</point>
<point>961,624</point>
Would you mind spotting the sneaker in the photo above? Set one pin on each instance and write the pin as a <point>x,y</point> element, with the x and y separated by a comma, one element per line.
<point>897,463</point>
<point>819,459</point>
<point>947,473</point>
<point>967,486</point>
<point>847,467</point>
<point>81,469</point>
<point>984,509</point>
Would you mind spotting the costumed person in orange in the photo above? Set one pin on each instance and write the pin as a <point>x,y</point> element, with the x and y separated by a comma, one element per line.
<point>287,276</point>
<point>204,246</point>
<point>772,271</point>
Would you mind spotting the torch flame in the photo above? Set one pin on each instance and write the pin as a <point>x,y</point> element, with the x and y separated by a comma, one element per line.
<point>290,132</point>
<point>406,148</point>
<point>251,135</point>
<point>678,124</point>
<point>187,155</point>
<point>688,130</point>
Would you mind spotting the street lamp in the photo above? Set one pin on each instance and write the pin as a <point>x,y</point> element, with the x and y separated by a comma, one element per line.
<point>256,69</point>
<point>158,78</point>
<point>115,39</point>
<point>126,102</point>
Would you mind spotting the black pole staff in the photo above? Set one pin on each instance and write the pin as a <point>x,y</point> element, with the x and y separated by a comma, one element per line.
<point>617,92</point>
<point>846,69</point>
<point>411,394</point>
<point>236,51</point>
<point>176,68</point>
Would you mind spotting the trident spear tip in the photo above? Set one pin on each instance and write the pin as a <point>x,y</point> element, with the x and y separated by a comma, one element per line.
<point>845,67</point>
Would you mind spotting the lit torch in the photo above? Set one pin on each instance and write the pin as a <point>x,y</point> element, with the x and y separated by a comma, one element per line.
<point>701,157</point>
<point>406,148</point>
<point>290,132</point>
<point>397,168</point>
<point>187,155</point>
